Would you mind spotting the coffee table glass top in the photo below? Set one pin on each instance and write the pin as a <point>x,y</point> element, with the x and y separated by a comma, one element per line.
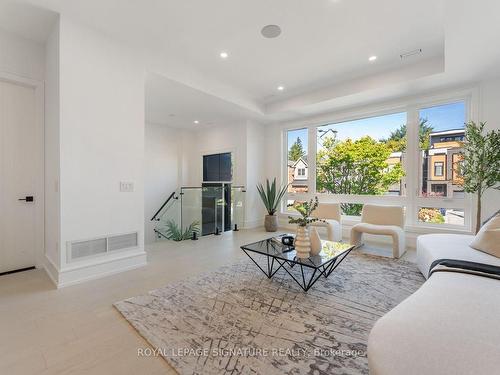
<point>273,247</point>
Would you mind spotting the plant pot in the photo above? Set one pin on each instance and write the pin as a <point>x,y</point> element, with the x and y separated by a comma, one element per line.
<point>315,241</point>
<point>302,242</point>
<point>271,223</point>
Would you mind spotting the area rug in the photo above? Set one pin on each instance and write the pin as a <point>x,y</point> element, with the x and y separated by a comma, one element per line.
<point>237,321</point>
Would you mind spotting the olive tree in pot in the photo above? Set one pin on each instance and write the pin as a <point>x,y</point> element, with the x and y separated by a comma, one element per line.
<point>271,197</point>
<point>480,168</point>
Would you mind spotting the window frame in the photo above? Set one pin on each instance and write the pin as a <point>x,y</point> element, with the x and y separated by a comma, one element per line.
<point>411,201</point>
<point>441,164</point>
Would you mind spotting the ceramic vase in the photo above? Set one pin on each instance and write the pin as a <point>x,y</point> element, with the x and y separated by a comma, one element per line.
<point>302,242</point>
<point>271,223</point>
<point>315,241</point>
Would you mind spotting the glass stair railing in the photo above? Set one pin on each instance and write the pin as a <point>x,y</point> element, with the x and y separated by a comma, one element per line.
<point>190,212</point>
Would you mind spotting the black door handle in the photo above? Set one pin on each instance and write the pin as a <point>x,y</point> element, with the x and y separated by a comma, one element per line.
<point>29,198</point>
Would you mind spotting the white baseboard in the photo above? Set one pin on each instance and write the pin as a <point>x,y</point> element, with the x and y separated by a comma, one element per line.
<point>102,267</point>
<point>51,270</point>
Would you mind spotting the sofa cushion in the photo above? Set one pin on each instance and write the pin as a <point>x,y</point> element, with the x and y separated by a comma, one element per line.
<point>431,247</point>
<point>488,238</point>
<point>448,326</point>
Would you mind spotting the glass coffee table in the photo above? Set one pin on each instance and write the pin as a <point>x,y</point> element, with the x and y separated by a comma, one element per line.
<point>278,256</point>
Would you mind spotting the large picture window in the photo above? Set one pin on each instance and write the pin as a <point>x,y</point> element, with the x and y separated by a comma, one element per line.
<point>408,158</point>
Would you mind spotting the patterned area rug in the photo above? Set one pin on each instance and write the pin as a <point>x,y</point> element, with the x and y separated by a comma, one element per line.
<point>236,321</point>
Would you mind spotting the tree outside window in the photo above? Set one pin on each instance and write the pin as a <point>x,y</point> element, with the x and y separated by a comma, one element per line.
<point>352,159</point>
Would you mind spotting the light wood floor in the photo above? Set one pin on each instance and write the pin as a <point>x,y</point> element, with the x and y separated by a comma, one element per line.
<point>76,330</point>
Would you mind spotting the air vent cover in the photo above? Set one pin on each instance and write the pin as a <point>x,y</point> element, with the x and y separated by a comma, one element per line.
<point>87,248</point>
<point>124,241</point>
<point>77,250</point>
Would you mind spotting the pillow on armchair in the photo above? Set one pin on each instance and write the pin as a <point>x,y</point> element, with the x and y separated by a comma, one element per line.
<point>488,238</point>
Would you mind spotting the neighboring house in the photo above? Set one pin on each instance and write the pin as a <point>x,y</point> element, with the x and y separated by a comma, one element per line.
<point>441,163</point>
<point>298,175</point>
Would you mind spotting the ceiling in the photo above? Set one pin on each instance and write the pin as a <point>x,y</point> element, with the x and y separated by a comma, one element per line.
<point>176,105</point>
<point>321,57</point>
<point>322,40</point>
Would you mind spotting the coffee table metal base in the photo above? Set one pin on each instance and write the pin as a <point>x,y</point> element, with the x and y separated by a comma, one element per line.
<point>305,279</point>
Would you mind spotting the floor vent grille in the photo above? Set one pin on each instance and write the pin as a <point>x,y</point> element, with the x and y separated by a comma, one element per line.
<point>78,250</point>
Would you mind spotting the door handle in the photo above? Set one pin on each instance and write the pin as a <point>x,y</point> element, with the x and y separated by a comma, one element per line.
<point>28,198</point>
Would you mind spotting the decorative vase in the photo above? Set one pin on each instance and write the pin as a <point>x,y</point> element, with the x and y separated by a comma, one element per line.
<point>302,242</point>
<point>315,241</point>
<point>271,223</point>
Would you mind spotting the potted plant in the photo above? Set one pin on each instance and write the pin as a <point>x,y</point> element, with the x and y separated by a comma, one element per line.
<point>271,197</point>
<point>480,168</point>
<point>173,232</point>
<point>303,237</point>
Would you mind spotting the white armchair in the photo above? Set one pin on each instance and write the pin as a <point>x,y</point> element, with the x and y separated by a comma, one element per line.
<point>382,220</point>
<point>330,213</point>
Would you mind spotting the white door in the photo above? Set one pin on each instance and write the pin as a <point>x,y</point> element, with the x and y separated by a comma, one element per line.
<point>18,162</point>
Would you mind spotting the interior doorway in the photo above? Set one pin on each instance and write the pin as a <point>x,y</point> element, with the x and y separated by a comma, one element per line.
<point>216,193</point>
<point>21,168</point>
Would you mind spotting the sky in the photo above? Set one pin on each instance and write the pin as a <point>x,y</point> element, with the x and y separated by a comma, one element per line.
<point>444,117</point>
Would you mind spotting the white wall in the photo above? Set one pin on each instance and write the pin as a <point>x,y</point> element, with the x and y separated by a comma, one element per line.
<point>256,173</point>
<point>101,143</point>
<point>52,149</point>
<point>489,111</point>
<point>213,140</point>
<point>247,143</point>
<point>161,167</point>
<point>21,56</point>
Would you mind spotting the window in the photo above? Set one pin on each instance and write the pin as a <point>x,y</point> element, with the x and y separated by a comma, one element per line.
<point>362,157</point>
<point>441,133</point>
<point>217,167</point>
<point>432,215</point>
<point>297,158</point>
<point>369,161</point>
<point>438,168</point>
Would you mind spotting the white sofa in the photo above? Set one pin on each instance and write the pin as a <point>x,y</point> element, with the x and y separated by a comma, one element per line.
<point>448,246</point>
<point>449,326</point>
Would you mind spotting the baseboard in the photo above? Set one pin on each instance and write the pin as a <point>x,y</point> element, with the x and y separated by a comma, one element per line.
<point>51,270</point>
<point>76,274</point>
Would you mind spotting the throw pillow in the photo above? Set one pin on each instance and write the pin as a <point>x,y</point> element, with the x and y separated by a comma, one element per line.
<point>488,238</point>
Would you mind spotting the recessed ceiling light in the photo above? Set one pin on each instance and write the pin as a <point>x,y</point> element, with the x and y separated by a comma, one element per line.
<point>224,55</point>
<point>271,31</point>
<point>280,88</point>
<point>372,58</point>
<point>196,121</point>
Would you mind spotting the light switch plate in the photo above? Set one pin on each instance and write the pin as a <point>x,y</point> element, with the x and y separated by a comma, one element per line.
<point>126,186</point>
